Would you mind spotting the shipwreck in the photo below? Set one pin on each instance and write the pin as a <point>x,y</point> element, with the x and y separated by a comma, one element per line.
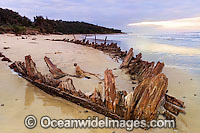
<point>144,102</point>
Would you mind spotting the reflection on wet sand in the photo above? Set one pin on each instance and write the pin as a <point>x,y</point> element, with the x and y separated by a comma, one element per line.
<point>67,108</point>
<point>31,100</point>
<point>29,96</point>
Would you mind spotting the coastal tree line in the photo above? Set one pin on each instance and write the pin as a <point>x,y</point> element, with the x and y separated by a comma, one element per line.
<point>12,22</point>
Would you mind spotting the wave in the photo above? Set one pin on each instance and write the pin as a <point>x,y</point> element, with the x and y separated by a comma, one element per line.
<point>190,36</point>
<point>164,48</point>
<point>154,47</point>
<point>177,38</point>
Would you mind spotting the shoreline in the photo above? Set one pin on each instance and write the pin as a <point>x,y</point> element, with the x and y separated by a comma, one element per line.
<point>60,54</point>
<point>46,34</point>
<point>31,99</point>
<point>58,60</point>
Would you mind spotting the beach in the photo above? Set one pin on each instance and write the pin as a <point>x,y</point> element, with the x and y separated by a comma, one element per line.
<point>21,98</point>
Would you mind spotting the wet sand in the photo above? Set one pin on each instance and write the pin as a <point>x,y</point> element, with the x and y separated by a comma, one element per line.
<point>21,98</point>
<point>185,86</point>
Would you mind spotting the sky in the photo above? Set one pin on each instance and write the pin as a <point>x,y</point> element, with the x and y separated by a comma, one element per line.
<point>128,15</point>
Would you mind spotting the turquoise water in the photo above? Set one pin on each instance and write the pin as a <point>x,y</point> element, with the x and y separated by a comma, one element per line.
<point>180,50</point>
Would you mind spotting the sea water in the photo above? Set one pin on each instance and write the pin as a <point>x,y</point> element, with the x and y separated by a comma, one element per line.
<point>181,54</point>
<point>180,50</point>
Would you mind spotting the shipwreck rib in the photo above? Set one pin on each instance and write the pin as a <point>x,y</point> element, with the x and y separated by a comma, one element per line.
<point>142,103</point>
<point>127,59</point>
<point>75,99</point>
<point>56,72</point>
<point>70,95</point>
<point>148,75</point>
<point>174,101</point>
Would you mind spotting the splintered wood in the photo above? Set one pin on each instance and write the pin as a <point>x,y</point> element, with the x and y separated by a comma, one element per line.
<point>19,67</point>
<point>110,89</point>
<point>146,106</point>
<point>174,101</point>
<point>32,71</point>
<point>56,72</point>
<point>127,59</point>
<point>158,68</point>
<point>142,69</point>
<point>150,93</point>
<point>142,103</point>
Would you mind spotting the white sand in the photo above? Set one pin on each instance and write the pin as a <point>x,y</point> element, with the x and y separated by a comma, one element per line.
<point>22,98</point>
<point>36,102</point>
<point>64,55</point>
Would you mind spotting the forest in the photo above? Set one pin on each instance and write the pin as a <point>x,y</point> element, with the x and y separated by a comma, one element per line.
<point>13,22</point>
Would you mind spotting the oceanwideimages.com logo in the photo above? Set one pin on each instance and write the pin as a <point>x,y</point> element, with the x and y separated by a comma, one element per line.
<point>94,122</point>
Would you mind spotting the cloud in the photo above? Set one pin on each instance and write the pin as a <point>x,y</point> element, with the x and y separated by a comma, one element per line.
<point>110,13</point>
<point>183,24</point>
<point>186,23</point>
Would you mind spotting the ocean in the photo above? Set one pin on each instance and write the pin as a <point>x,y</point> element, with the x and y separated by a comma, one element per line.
<point>180,50</point>
<point>20,98</point>
<point>181,54</point>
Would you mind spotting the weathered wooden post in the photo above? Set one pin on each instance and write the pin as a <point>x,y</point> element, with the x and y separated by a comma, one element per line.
<point>110,89</point>
<point>74,37</point>
<point>95,40</point>
<point>127,59</point>
<point>85,38</point>
<point>105,40</point>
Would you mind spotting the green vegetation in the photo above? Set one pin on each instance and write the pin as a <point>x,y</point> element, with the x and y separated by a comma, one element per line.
<point>17,29</point>
<point>12,22</point>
